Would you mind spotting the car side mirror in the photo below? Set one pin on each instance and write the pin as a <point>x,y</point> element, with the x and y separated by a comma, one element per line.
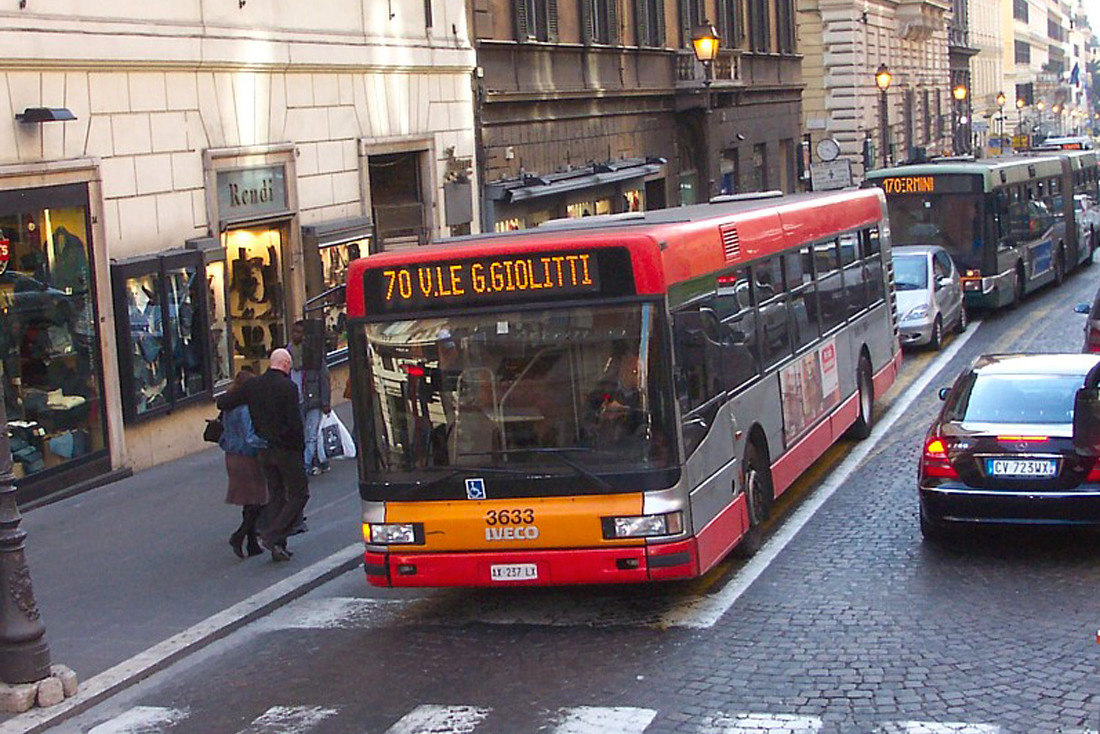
<point>1082,308</point>
<point>1086,422</point>
<point>944,392</point>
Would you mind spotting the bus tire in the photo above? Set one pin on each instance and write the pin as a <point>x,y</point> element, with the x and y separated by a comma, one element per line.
<point>865,391</point>
<point>936,339</point>
<point>1018,286</point>
<point>1059,266</point>
<point>759,495</point>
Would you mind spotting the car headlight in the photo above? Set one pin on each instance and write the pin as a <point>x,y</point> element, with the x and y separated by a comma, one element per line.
<point>917,312</point>
<point>407,533</point>
<point>643,526</point>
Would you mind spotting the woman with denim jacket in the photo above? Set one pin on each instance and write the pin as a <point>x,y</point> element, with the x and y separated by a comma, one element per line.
<point>247,486</point>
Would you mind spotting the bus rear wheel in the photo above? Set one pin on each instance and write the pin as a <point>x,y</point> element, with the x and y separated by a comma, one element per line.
<point>865,389</point>
<point>757,486</point>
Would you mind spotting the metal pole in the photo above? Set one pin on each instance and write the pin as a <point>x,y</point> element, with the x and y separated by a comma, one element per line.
<point>885,121</point>
<point>24,654</point>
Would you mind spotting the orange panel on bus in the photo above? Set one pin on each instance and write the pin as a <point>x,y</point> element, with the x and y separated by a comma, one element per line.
<point>515,524</point>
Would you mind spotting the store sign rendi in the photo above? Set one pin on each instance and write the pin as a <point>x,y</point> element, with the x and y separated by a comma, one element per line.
<point>251,191</point>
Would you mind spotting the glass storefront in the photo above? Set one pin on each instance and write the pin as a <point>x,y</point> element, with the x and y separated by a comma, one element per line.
<point>50,365</point>
<point>256,295</point>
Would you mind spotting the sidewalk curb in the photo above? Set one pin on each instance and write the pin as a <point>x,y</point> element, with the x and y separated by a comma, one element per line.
<point>162,655</point>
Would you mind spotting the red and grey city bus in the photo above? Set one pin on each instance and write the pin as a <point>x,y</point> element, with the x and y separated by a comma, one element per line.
<point>613,399</point>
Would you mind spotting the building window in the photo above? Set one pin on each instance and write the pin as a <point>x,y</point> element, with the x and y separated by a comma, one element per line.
<point>927,105</point>
<point>397,199</point>
<point>536,20</point>
<point>731,25</point>
<point>785,22</point>
<point>649,17</point>
<point>1019,10</point>
<point>601,21</point>
<point>759,26</point>
<point>692,14</point>
<point>1023,52</point>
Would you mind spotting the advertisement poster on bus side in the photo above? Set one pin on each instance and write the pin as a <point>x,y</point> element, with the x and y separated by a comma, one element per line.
<point>810,388</point>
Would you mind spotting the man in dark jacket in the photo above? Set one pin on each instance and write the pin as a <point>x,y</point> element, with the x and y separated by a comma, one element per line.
<point>272,400</point>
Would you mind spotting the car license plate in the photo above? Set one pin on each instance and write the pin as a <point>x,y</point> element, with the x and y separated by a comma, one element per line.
<point>513,571</point>
<point>1021,467</point>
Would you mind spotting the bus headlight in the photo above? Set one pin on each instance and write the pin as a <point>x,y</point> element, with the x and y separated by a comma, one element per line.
<point>407,533</point>
<point>643,526</point>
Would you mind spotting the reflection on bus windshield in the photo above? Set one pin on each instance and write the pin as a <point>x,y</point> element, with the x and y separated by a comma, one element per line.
<point>949,221</point>
<point>542,388</point>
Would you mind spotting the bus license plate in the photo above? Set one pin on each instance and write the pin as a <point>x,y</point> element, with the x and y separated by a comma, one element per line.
<point>513,571</point>
<point>1020,467</point>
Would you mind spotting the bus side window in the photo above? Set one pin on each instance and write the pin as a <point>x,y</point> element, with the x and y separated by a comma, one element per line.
<point>771,293</point>
<point>830,286</point>
<point>872,252</point>
<point>855,282</point>
<point>798,267</point>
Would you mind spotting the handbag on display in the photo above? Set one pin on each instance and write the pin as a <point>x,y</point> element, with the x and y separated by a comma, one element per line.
<point>214,429</point>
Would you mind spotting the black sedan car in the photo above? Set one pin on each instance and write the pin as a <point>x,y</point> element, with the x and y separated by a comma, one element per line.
<point>1001,450</point>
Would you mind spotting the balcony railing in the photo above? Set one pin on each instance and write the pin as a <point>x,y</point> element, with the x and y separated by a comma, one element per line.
<point>726,69</point>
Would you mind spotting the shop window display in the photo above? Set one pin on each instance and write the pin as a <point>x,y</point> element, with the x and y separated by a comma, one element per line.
<point>219,322</point>
<point>49,359</point>
<point>334,273</point>
<point>160,303</point>
<point>256,295</point>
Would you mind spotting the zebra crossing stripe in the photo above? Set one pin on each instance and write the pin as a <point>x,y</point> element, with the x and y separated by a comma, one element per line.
<point>601,719</point>
<point>763,724</point>
<point>929,727</point>
<point>435,719</point>
<point>141,720</point>
<point>288,720</point>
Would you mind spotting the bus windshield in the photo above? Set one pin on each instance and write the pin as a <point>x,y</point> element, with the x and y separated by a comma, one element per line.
<point>951,221</point>
<point>576,389</point>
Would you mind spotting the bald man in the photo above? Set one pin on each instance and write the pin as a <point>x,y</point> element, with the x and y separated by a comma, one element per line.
<point>272,400</point>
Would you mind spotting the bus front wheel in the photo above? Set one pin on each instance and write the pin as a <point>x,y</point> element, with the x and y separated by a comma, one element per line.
<point>865,389</point>
<point>1018,286</point>
<point>757,486</point>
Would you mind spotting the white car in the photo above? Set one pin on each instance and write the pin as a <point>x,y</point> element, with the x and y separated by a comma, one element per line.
<point>929,295</point>
<point>1086,212</point>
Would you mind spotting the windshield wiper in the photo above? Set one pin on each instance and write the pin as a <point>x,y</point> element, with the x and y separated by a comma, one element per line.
<point>561,455</point>
<point>468,470</point>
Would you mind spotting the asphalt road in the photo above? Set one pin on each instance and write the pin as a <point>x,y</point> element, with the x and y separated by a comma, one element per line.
<point>850,624</point>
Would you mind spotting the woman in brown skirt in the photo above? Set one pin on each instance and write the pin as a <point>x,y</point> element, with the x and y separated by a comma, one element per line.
<point>247,487</point>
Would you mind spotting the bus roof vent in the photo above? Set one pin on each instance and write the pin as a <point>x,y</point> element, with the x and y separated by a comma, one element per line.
<point>731,243</point>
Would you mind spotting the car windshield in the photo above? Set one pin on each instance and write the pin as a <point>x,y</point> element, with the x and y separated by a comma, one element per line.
<point>570,390</point>
<point>1002,398</point>
<point>951,221</point>
<point>910,272</point>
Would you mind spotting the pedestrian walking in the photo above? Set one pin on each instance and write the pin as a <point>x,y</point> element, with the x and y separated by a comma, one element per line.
<point>272,400</point>
<point>310,374</point>
<point>247,486</point>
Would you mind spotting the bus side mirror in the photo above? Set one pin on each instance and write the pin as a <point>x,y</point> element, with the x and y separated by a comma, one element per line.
<point>1086,422</point>
<point>944,392</point>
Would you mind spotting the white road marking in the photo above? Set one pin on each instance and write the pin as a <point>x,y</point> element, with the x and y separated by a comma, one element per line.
<point>141,720</point>
<point>702,612</point>
<point>333,613</point>
<point>928,727</point>
<point>435,719</point>
<point>162,654</point>
<point>288,720</point>
<point>602,719</point>
<point>762,724</point>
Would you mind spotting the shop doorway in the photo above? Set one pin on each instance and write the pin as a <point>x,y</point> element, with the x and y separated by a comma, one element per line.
<point>397,199</point>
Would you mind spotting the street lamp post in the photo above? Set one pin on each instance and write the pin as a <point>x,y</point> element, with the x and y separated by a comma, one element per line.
<point>24,654</point>
<point>883,77</point>
<point>705,42</point>
<point>1001,120</point>
<point>959,144</point>
<point>1020,104</point>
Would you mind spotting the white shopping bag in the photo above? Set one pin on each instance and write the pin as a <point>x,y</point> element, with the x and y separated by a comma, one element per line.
<point>334,441</point>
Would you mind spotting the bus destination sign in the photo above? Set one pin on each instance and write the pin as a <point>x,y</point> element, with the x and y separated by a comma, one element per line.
<point>506,278</point>
<point>909,185</point>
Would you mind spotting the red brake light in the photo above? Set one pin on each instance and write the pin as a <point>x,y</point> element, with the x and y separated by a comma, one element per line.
<point>1093,339</point>
<point>1093,476</point>
<point>413,370</point>
<point>1023,438</point>
<point>934,462</point>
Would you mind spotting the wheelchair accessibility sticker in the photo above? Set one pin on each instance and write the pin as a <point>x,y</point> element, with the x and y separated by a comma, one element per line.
<point>475,489</point>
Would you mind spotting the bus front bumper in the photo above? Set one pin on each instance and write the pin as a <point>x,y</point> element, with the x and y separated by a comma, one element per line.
<point>636,564</point>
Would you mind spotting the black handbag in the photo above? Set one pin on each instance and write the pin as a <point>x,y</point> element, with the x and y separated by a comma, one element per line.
<point>214,429</point>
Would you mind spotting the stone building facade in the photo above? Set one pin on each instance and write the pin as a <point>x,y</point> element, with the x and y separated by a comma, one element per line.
<point>181,181</point>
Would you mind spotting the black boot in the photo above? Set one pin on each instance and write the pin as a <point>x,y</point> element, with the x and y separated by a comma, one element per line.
<point>254,548</point>
<point>236,542</point>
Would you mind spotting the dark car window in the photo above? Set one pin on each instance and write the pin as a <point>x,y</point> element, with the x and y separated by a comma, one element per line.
<point>910,272</point>
<point>1015,399</point>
